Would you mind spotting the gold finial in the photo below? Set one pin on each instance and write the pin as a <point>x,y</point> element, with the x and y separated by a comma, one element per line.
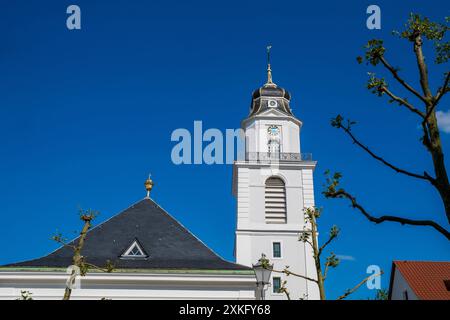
<point>269,70</point>
<point>148,185</point>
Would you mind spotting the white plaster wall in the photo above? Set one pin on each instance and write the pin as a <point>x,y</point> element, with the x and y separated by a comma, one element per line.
<point>122,286</point>
<point>257,137</point>
<point>294,254</point>
<point>399,286</point>
<point>254,236</point>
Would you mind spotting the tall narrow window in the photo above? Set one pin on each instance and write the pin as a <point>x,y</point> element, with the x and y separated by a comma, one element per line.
<point>276,284</point>
<point>276,249</point>
<point>274,147</point>
<point>275,201</point>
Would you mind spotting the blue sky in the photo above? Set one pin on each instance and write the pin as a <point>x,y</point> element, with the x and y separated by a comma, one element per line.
<point>85,115</point>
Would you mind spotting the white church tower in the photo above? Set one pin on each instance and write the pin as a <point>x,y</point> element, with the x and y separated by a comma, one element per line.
<point>273,185</point>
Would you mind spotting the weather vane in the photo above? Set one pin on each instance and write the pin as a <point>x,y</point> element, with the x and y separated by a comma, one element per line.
<point>268,53</point>
<point>269,70</point>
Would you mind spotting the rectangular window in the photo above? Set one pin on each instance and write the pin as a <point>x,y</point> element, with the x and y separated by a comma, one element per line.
<point>276,285</point>
<point>276,250</point>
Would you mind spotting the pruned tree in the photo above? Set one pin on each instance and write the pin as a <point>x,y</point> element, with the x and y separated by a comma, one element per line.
<point>310,236</point>
<point>416,31</point>
<point>78,260</point>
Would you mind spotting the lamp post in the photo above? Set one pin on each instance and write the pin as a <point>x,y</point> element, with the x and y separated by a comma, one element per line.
<point>262,272</point>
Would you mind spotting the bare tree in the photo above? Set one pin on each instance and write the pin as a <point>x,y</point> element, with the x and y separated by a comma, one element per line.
<point>310,236</point>
<point>417,29</point>
<point>78,260</point>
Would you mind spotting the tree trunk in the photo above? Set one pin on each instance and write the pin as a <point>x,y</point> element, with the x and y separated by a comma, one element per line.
<point>77,259</point>
<point>442,182</point>
<point>433,138</point>
<point>317,257</point>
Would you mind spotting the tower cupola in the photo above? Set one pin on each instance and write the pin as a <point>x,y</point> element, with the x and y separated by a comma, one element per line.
<point>270,96</point>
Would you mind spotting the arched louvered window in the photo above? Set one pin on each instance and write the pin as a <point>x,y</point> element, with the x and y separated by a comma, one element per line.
<point>275,198</point>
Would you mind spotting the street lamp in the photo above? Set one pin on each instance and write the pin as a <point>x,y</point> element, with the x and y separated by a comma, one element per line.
<point>262,272</point>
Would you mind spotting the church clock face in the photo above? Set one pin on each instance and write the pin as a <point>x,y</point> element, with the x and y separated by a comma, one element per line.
<point>273,131</point>
<point>272,104</point>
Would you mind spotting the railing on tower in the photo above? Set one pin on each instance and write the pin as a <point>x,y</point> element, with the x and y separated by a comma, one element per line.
<point>277,156</point>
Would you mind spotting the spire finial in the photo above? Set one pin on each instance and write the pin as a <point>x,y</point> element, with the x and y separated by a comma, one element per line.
<point>148,185</point>
<point>269,70</point>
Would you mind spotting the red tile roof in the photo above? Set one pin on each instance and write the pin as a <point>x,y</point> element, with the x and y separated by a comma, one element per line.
<point>426,278</point>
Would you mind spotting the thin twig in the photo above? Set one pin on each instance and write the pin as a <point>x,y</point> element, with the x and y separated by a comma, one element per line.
<point>349,292</point>
<point>400,80</point>
<point>92,266</point>
<point>331,238</point>
<point>288,273</point>
<point>442,90</point>
<point>64,243</point>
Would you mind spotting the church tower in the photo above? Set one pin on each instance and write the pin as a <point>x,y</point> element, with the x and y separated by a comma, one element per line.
<point>273,184</point>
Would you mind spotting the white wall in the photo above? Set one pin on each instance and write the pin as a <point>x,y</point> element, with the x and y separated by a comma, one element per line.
<point>399,286</point>
<point>123,286</point>
<point>254,236</point>
<point>257,137</point>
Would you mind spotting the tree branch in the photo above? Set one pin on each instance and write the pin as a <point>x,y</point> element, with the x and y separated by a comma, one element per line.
<point>443,90</point>
<point>343,194</point>
<point>325,273</point>
<point>403,102</point>
<point>56,239</point>
<point>425,176</point>
<point>284,290</point>
<point>288,273</point>
<point>400,80</point>
<point>350,291</point>
<point>331,238</point>
<point>92,266</point>
<point>309,242</point>
<point>440,93</point>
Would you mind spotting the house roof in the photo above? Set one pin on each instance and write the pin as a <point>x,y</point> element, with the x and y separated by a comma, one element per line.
<point>167,244</point>
<point>426,278</point>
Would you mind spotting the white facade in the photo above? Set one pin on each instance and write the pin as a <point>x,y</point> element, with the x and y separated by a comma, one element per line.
<point>400,289</point>
<point>48,285</point>
<point>254,235</point>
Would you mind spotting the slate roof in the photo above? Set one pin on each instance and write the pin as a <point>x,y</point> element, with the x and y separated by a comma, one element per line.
<point>168,244</point>
<point>428,279</point>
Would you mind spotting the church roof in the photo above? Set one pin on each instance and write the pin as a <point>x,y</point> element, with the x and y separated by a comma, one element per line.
<point>148,232</point>
<point>262,97</point>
